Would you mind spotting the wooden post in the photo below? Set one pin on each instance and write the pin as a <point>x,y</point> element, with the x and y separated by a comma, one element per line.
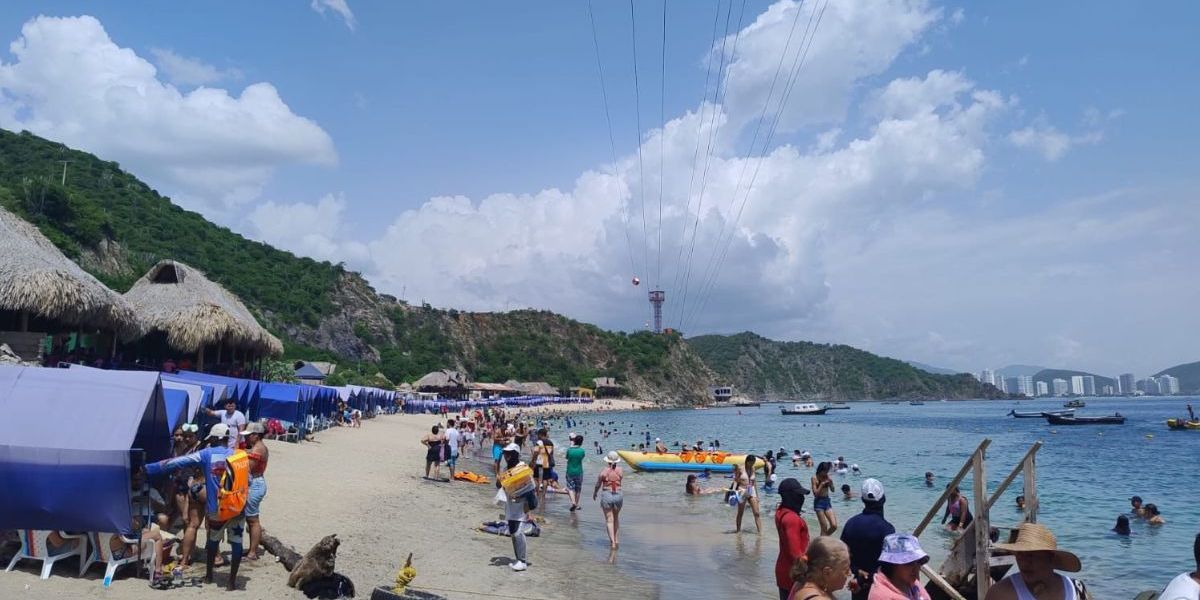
<point>1031,498</point>
<point>113,351</point>
<point>220,345</point>
<point>937,578</point>
<point>983,578</point>
<point>24,322</point>
<point>200,359</point>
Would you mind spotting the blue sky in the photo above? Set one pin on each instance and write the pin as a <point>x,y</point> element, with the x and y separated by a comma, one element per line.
<point>964,185</point>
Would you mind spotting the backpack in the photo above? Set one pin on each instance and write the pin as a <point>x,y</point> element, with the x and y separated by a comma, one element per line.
<point>234,488</point>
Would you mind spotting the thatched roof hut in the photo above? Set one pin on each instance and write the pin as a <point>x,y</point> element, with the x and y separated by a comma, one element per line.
<point>195,312</point>
<point>442,380</point>
<point>37,279</point>
<point>532,388</point>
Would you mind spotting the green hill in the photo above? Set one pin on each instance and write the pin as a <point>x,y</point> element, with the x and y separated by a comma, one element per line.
<point>1188,374</point>
<point>766,368</point>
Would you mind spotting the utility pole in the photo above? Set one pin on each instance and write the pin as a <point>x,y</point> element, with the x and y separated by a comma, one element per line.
<point>64,175</point>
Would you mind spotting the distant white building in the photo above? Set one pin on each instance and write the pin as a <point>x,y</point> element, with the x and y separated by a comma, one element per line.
<point>1060,387</point>
<point>1108,390</point>
<point>987,376</point>
<point>1043,389</point>
<point>1025,385</point>
<point>1089,385</point>
<point>1148,386</point>
<point>1126,383</point>
<point>1077,385</point>
<point>1168,385</point>
<point>1000,384</point>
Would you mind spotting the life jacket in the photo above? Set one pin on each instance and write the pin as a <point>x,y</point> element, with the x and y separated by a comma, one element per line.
<point>234,486</point>
<point>471,477</point>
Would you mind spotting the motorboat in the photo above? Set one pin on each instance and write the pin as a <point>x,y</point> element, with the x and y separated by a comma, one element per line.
<point>916,402</point>
<point>742,401</point>
<point>1114,419</point>
<point>803,409</point>
<point>1074,404</point>
<point>1040,414</point>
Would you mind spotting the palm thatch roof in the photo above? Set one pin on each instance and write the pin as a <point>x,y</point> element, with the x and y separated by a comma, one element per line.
<point>442,379</point>
<point>194,312</point>
<point>35,277</point>
<point>532,388</point>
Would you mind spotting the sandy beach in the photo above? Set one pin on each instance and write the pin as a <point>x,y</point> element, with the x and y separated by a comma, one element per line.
<point>366,486</point>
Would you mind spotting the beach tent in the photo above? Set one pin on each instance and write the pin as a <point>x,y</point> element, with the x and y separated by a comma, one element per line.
<point>196,395</point>
<point>283,401</point>
<point>176,404</point>
<point>245,391</point>
<point>65,445</point>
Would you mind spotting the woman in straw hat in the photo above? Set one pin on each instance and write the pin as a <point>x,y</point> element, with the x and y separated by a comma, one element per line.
<point>611,501</point>
<point>1038,557</point>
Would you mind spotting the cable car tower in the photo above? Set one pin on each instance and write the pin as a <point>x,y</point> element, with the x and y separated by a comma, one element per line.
<point>657,297</point>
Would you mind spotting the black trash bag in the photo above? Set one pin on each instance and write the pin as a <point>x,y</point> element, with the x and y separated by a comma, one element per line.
<point>329,588</point>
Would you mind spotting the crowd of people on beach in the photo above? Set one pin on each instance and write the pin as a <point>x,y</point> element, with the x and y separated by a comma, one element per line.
<point>870,557</point>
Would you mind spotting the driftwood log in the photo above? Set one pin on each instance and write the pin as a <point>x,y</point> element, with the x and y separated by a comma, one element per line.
<point>285,553</point>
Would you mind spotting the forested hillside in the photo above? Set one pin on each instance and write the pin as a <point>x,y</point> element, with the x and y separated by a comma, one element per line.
<point>769,369</point>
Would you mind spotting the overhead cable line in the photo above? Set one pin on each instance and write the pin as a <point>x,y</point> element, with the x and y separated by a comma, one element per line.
<point>637,97</point>
<point>612,145</point>
<point>790,82</point>
<point>662,148</point>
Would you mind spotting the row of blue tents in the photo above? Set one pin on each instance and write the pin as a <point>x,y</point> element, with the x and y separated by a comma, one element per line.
<point>423,405</point>
<point>69,437</point>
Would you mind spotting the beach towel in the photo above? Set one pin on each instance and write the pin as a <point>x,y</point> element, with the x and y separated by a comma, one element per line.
<point>471,477</point>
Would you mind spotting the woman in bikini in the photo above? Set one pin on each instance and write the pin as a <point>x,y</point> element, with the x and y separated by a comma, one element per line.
<point>823,570</point>
<point>822,485</point>
<point>611,501</point>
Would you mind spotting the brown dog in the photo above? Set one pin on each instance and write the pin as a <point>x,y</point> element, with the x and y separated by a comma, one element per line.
<point>317,564</point>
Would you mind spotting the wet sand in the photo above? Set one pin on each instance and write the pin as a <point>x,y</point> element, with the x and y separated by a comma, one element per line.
<point>366,486</point>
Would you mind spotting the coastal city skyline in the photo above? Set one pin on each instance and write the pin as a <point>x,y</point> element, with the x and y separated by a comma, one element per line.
<point>1124,384</point>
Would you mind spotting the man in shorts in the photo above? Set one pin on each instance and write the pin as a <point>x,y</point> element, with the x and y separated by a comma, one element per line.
<point>453,443</point>
<point>501,437</point>
<point>575,456</point>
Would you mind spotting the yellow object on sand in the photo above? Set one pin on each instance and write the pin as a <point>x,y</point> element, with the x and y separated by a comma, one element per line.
<point>405,576</point>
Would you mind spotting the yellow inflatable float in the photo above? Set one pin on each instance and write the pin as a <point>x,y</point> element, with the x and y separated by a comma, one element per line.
<point>717,462</point>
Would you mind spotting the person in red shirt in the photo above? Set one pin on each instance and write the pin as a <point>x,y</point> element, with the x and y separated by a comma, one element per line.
<point>793,533</point>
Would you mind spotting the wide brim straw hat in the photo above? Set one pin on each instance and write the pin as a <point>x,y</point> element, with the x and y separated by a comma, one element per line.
<point>1035,537</point>
<point>612,458</point>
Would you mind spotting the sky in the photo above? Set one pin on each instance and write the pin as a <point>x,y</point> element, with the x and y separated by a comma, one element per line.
<point>961,185</point>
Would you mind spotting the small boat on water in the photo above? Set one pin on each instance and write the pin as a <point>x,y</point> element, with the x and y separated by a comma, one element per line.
<point>1038,415</point>
<point>1074,404</point>
<point>890,402</point>
<point>742,401</point>
<point>1181,424</point>
<point>1115,419</point>
<point>803,409</point>
<point>837,406</point>
<point>717,462</point>
<point>916,402</point>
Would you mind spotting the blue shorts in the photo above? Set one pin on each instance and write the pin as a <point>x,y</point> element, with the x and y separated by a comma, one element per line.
<point>497,451</point>
<point>452,460</point>
<point>575,483</point>
<point>258,491</point>
<point>822,503</point>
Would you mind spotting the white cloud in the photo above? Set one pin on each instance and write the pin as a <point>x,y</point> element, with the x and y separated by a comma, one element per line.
<point>1049,142</point>
<point>852,41</point>
<point>339,7</point>
<point>71,83</point>
<point>316,230</point>
<point>190,71</point>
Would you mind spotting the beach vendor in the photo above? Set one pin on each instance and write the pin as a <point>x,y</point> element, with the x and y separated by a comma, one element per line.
<point>517,502</point>
<point>226,484</point>
<point>233,419</point>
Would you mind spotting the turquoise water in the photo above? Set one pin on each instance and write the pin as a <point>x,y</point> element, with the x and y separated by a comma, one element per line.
<point>1086,475</point>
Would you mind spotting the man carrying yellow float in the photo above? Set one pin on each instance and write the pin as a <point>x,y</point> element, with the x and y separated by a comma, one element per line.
<point>226,486</point>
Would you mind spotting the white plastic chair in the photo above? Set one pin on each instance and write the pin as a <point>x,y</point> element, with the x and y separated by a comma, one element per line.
<point>34,547</point>
<point>102,553</point>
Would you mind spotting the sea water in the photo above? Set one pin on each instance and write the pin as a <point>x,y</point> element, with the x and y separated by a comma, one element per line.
<point>1085,477</point>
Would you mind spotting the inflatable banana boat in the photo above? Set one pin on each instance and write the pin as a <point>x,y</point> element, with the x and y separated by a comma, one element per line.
<point>1181,424</point>
<point>717,462</point>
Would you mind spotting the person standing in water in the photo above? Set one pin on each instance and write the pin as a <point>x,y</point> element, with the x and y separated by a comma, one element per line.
<point>822,485</point>
<point>749,495</point>
<point>611,500</point>
<point>575,456</point>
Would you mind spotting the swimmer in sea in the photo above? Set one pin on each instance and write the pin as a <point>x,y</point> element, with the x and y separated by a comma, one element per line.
<point>847,494</point>
<point>692,487</point>
<point>1020,502</point>
<point>796,458</point>
<point>928,478</point>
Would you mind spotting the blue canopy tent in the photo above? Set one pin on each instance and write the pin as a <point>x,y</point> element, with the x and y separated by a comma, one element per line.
<point>65,445</point>
<point>286,402</point>
<point>176,404</point>
<point>245,391</point>
<point>198,395</point>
